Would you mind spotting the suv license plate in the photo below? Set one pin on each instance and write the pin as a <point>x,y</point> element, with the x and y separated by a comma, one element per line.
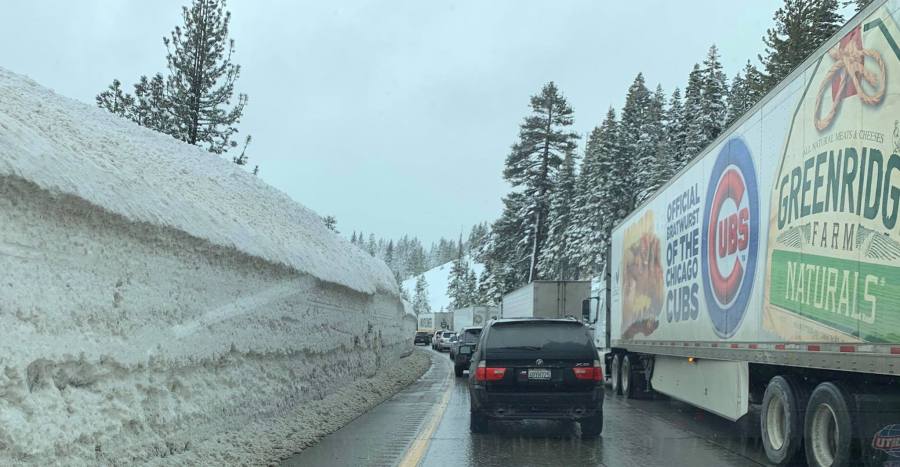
<point>539,373</point>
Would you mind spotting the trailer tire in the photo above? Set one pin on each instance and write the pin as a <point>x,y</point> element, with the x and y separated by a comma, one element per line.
<point>616,374</point>
<point>828,429</point>
<point>630,376</point>
<point>781,419</point>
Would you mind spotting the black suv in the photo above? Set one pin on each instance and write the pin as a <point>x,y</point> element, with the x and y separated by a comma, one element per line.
<point>422,337</point>
<point>462,349</point>
<point>536,368</point>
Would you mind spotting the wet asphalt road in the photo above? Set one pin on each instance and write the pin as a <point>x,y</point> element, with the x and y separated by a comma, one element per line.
<point>656,432</point>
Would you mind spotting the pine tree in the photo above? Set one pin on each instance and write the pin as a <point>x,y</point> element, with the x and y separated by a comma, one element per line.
<point>714,89</point>
<point>420,297</point>
<point>114,100</point>
<point>508,245</point>
<point>638,154</point>
<point>676,132</point>
<point>860,4</point>
<point>555,261</point>
<point>662,168</point>
<point>202,77</point>
<point>694,139</point>
<point>470,287</point>
<point>801,26</point>
<point>744,92</point>
<point>331,224</point>
<point>151,106</point>
<point>544,139</point>
<point>372,245</point>
<point>242,158</point>
<point>389,255</point>
<point>489,290</point>
<point>598,205</point>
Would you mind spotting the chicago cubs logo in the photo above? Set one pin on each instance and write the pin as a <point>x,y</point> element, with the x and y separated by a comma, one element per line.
<point>730,237</point>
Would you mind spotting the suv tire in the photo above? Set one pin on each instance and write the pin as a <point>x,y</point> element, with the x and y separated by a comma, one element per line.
<point>591,427</point>
<point>458,370</point>
<point>478,423</point>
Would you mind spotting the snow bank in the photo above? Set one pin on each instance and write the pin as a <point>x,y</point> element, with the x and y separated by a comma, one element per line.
<point>155,296</point>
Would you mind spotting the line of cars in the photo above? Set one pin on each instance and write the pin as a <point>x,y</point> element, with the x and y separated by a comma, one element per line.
<point>529,368</point>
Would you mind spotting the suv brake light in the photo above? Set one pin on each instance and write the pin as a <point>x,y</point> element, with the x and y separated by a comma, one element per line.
<point>485,373</point>
<point>594,373</point>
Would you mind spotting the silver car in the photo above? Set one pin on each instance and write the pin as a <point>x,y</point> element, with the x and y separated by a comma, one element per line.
<point>444,341</point>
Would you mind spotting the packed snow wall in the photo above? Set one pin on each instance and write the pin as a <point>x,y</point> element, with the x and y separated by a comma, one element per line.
<point>149,289</point>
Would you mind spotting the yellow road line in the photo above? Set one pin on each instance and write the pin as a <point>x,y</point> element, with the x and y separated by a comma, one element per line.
<point>419,446</point>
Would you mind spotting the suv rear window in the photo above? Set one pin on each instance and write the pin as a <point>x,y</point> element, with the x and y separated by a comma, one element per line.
<point>551,337</point>
<point>470,336</point>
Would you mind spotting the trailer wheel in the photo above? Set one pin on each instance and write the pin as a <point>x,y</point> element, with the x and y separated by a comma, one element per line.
<point>630,376</point>
<point>828,431</point>
<point>781,419</point>
<point>616,376</point>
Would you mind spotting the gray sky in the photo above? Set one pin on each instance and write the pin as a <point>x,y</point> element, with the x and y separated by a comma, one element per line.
<point>395,117</point>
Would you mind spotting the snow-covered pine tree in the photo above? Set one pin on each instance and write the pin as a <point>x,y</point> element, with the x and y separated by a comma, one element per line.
<point>508,245</point>
<point>488,291</point>
<point>597,207</point>
<point>372,245</point>
<point>389,254</point>
<point>202,77</point>
<point>860,4</point>
<point>151,107</point>
<point>694,138</point>
<point>242,158</point>
<point>420,297</point>
<point>638,156</point>
<point>676,131</point>
<point>331,223</point>
<point>555,260</point>
<point>470,287</point>
<point>662,168</point>
<point>737,98</point>
<point>714,90</point>
<point>800,28</point>
<point>456,288</point>
<point>544,139</point>
<point>114,100</point>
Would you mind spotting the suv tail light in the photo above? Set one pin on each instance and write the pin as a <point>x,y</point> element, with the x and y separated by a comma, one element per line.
<point>485,373</point>
<point>594,373</point>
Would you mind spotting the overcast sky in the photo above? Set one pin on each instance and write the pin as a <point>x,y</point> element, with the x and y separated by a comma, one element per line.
<point>395,117</point>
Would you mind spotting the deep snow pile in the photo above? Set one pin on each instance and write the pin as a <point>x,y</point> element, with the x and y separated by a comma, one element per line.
<point>438,278</point>
<point>155,296</point>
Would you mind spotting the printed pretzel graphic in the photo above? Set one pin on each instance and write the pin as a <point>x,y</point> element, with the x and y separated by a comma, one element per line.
<point>850,61</point>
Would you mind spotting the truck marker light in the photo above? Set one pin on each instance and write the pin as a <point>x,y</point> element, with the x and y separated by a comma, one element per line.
<point>692,360</point>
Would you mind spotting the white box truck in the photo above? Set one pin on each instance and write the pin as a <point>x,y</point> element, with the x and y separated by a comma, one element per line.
<point>546,299</point>
<point>476,315</point>
<point>768,270</point>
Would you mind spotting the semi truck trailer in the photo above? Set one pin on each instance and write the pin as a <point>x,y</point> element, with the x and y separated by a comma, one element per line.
<point>767,271</point>
<point>545,299</point>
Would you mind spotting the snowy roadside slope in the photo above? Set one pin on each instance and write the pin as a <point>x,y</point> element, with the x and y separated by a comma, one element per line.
<point>68,147</point>
<point>438,278</point>
<point>154,297</point>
